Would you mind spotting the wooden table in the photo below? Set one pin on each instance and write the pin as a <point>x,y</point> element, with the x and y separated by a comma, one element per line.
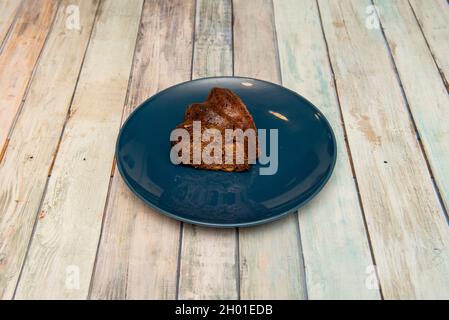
<point>71,71</point>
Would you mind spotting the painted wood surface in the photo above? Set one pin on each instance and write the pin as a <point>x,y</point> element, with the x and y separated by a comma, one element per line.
<point>406,223</point>
<point>423,88</point>
<point>18,58</point>
<point>209,268</point>
<point>213,39</point>
<point>270,255</point>
<point>91,238</point>
<point>25,167</point>
<point>138,253</point>
<point>336,253</point>
<point>63,249</point>
<point>8,11</point>
<point>433,16</point>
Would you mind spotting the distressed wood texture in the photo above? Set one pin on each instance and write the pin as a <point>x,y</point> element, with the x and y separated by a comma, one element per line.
<point>18,58</point>
<point>270,255</point>
<point>433,16</point>
<point>138,253</point>
<point>406,223</point>
<point>8,11</point>
<point>334,240</point>
<point>208,256</point>
<point>425,92</point>
<point>25,167</point>
<point>63,249</point>
<point>213,39</point>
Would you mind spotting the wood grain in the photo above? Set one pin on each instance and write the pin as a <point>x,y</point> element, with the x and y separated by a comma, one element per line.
<point>19,56</point>
<point>208,256</point>
<point>406,223</point>
<point>63,249</point>
<point>26,164</point>
<point>335,244</point>
<point>138,253</point>
<point>213,39</point>
<point>425,92</point>
<point>433,16</point>
<point>8,11</point>
<point>270,255</point>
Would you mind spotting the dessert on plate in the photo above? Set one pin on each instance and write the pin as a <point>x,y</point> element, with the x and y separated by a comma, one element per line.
<point>223,113</point>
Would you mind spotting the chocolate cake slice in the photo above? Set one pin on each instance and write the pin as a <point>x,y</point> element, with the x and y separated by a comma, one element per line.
<point>221,111</point>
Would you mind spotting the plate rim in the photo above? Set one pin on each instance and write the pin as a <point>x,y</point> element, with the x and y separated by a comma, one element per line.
<point>226,225</point>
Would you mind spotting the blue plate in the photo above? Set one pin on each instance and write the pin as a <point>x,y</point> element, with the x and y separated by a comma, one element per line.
<point>306,156</point>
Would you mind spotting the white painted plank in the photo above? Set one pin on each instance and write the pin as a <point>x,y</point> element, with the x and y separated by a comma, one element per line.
<point>18,58</point>
<point>270,263</point>
<point>138,253</point>
<point>25,167</point>
<point>334,241</point>
<point>213,39</point>
<point>8,11</point>
<point>407,227</point>
<point>208,256</point>
<point>63,249</point>
<point>433,17</point>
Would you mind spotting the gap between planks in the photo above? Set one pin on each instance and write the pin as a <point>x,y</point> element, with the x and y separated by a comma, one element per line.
<point>33,72</point>
<point>69,110</point>
<point>440,70</point>
<point>302,264</point>
<point>237,231</point>
<point>181,224</point>
<point>8,32</point>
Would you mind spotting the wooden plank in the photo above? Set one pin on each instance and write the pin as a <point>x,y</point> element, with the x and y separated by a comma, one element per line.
<point>433,16</point>
<point>19,57</point>
<point>8,11</point>
<point>425,92</point>
<point>208,267</point>
<point>270,255</point>
<point>408,231</point>
<point>334,241</point>
<point>34,141</point>
<point>213,39</point>
<point>138,253</point>
<point>63,249</point>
